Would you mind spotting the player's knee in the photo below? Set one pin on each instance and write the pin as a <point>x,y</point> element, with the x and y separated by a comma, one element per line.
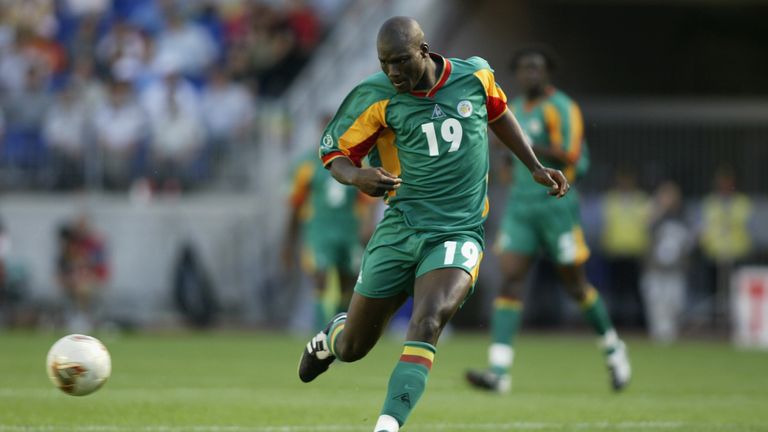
<point>425,328</point>
<point>352,351</point>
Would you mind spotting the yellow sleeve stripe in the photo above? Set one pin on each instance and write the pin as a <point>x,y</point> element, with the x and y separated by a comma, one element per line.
<point>301,183</point>
<point>496,99</point>
<point>358,139</point>
<point>577,133</point>
<point>554,125</point>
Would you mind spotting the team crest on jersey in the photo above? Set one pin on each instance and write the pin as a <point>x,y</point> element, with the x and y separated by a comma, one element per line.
<point>327,141</point>
<point>437,112</point>
<point>464,108</point>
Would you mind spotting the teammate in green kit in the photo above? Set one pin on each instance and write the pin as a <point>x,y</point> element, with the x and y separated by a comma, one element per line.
<point>425,119</point>
<point>325,219</point>
<point>533,222</point>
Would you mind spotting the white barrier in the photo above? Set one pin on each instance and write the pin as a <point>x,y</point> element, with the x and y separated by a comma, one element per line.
<point>749,300</point>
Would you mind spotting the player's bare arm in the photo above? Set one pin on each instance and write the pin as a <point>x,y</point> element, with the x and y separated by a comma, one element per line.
<point>371,181</point>
<point>509,132</point>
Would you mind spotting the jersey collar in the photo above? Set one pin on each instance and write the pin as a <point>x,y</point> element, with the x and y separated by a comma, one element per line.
<point>440,81</point>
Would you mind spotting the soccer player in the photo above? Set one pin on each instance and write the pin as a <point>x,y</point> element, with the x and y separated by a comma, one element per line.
<point>553,123</point>
<point>425,118</point>
<point>325,219</point>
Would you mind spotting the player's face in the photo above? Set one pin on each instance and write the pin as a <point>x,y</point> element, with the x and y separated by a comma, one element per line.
<point>531,73</point>
<point>404,66</point>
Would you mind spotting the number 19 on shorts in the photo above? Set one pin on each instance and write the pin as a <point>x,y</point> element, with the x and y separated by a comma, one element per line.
<point>469,252</point>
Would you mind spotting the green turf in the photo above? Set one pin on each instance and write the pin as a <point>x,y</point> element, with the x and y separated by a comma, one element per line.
<point>239,382</point>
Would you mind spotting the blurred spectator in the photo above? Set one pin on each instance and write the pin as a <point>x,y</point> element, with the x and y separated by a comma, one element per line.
<point>37,15</point>
<point>303,20</point>
<point>258,46</point>
<point>664,283</point>
<point>121,43</point>
<point>185,43</point>
<point>625,240</point>
<point>177,139</point>
<point>24,112</point>
<point>725,236</point>
<point>154,97</point>
<point>85,83</point>
<point>86,36</point>
<point>83,271</point>
<point>228,110</point>
<point>120,127</point>
<point>65,135</point>
<point>14,64</point>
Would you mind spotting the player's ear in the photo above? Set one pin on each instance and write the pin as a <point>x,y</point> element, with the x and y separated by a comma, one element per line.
<point>424,48</point>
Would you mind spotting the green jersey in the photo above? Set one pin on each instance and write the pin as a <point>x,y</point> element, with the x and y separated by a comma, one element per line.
<point>435,140</point>
<point>554,121</point>
<point>325,205</point>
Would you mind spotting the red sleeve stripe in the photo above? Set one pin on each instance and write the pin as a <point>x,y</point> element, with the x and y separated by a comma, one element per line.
<point>358,152</point>
<point>416,359</point>
<point>495,107</point>
<point>327,158</point>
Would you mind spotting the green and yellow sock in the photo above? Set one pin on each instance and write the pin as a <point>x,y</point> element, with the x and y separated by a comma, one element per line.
<point>408,380</point>
<point>505,324</point>
<point>595,312</point>
<point>337,328</point>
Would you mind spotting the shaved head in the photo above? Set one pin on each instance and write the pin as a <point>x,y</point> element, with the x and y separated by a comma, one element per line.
<point>400,32</point>
<point>403,54</point>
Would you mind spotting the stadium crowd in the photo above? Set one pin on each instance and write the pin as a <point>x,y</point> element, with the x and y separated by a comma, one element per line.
<point>108,92</point>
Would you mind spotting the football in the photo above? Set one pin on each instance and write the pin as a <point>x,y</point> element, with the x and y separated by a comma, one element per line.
<point>78,364</point>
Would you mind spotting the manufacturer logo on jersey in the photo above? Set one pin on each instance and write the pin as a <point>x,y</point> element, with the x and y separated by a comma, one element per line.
<point>437,112</point>
<point>464,108</point>
<point>327,141</point>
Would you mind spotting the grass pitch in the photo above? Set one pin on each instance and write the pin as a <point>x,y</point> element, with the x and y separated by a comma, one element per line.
<point>246,382</point>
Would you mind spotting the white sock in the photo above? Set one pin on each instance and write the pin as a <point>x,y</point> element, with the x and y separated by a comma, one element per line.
<point>610,339</point>
<point>386,424</point>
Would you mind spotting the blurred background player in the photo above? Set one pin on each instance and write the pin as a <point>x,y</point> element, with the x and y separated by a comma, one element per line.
<point>83,271</point>
<point>533,221</point>
<point>326,220</point>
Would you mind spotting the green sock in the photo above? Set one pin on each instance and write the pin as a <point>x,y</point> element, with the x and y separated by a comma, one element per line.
<point>336,330</point>
<point>595,312</point>
<point>505,323</point>
<point>408,380</point>
<point>321,315</point>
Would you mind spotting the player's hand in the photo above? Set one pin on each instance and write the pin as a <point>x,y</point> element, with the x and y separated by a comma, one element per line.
<point>553,179</point>
<point>376,181</point>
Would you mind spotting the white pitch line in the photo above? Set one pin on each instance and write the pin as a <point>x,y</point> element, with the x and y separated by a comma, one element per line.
<point>534,426</point>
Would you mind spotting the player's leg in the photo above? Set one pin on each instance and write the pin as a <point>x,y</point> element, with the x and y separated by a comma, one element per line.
<point>349,336</point>
<point>564,242</point>
<point>348,267</point>
<point>385,273</point>
<point>438,294</point>
<point>319,282</point>
<point>516,244</point>
<point>315,261</point>
<point>595,312</point>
